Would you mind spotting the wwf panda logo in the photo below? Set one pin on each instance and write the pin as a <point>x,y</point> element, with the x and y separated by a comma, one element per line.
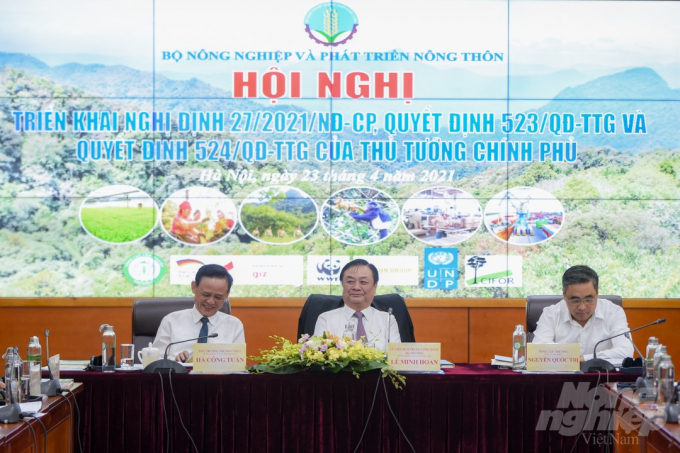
<point>329,267</point>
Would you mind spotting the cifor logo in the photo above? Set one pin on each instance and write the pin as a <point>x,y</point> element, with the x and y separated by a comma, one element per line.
<point>476,262</point>
<point>331,24</point>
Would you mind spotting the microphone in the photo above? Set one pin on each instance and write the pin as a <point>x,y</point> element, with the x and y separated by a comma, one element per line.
<point>627,335</point>
<point>47,351</point>
<point>51,387</point>
<point>165,365</point>
<point>389,322</point>
<point>595,364</point>
<point>165,356</point>
<point>631,365</point>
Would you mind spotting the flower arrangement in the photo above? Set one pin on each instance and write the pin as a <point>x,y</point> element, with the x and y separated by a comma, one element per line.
<point>326,352</point>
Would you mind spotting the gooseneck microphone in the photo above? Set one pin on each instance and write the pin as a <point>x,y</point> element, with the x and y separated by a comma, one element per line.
<point>51,387</point>
<point>642,356</point>
<point>595,364</point>
<point>47,352</point>
<point>165,356</point>
<point>389,325</point>
<point>658,321</point>
<point>166,365</point>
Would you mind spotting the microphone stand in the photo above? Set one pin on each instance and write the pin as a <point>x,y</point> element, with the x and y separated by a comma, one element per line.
<point>164,365</point>
<point>641,382</point>
<point>51,387</point>
<point>389,325</point>
<point>595,364</point>
<point>636,348</point>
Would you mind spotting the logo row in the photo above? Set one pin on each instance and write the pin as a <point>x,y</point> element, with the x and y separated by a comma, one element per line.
<point>440,269</point>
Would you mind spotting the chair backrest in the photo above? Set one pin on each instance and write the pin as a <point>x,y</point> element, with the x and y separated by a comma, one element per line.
<point>147,315</point>
<point>320,303</point>
<point>536,304</point>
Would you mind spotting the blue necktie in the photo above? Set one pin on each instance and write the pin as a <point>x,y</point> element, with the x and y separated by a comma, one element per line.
<point>204,330</point>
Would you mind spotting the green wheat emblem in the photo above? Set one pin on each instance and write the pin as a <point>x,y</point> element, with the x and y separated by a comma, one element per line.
<point>330,25</point>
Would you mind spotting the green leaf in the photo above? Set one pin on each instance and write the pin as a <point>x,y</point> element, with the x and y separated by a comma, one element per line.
<point>328,37</point>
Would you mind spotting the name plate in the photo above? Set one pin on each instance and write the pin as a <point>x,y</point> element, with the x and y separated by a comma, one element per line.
<point>53,365</point>
<point>553,357</point>
<point>414,356</point>
<point>215,358</point>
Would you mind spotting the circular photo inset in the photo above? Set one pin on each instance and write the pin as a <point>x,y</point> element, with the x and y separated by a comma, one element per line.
<point>524,216</point>
<point>118,214</point>
<point>441,216</point>
<point>360,216</point>
<point>198,216</point>
<point>279,215</point>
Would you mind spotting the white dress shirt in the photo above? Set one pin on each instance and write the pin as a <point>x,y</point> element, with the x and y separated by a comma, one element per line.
<point>185,324</point>
<point>557,326</point>
<point>375,324</point>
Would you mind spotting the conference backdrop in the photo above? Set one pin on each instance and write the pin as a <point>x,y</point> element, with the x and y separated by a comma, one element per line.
<point>467,148</point>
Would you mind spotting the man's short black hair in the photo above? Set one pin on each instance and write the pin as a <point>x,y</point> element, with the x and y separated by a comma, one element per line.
<point>579,274</point>
<point>214,271</point>
<point>359,262</point>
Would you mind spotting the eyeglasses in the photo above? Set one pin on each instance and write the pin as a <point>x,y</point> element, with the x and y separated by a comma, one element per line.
<point>577,301</point>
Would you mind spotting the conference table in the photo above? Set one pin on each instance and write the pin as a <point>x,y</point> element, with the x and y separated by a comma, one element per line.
<point>470,408</point>
<point>641,426</point>
<point>59,427</point>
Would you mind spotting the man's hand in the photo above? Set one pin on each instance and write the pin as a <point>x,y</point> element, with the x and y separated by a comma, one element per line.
<point>182,356</point>
<point>580,359</point>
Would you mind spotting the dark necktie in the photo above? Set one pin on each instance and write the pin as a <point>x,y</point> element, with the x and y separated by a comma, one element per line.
<point>204,330</point>
<point>361,331</point>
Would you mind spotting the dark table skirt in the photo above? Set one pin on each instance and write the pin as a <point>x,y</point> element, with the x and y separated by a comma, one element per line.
<point>472,408</point>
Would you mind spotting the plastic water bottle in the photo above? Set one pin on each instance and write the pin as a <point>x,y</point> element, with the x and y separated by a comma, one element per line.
<point>666,380</point>
<point>108,348</point>
<point>349,330</point>
<point>13,362</point>
<point>34,355</point>
<point>519,348</point>
<point>658,355</point>
<point>649,359</point>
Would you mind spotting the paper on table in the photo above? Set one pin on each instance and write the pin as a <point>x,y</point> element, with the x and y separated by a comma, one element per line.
<point>71,365</point>
<point>32,407</point>
<point>500,363</point>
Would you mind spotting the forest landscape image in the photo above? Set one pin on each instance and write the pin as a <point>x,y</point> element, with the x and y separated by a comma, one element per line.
<point>620,195</point>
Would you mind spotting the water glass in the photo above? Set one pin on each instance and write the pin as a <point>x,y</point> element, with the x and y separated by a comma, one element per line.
<point>127,356</point>
<point>25,382</point>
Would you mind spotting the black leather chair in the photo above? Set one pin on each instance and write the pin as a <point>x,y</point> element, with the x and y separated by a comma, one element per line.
<point>147,315</point>
<point>536,304</point>
<point>320,303</point>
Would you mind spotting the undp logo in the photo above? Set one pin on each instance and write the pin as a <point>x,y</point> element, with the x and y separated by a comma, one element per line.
<point>331,24</point>
<point>441,268</point>
<point>441,258</point>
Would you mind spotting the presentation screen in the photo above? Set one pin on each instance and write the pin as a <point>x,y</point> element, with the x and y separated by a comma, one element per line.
<point>466,148</point>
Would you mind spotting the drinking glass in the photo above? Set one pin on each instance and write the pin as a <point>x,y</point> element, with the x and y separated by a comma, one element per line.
<point>127,356</point>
